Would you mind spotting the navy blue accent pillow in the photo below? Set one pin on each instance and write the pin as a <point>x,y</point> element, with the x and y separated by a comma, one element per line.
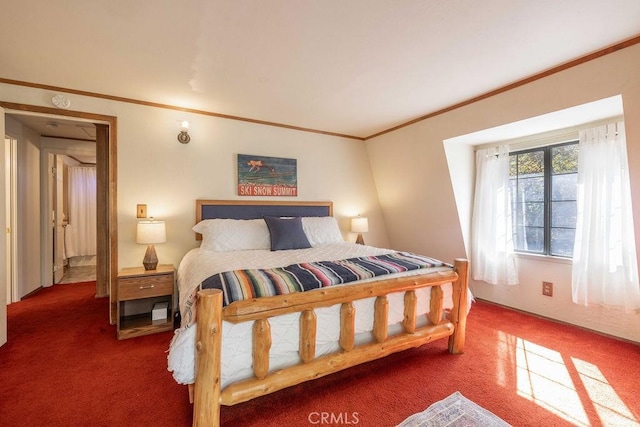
<point>286,233</point>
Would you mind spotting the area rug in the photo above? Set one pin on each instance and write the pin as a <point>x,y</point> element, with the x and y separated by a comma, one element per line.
<point>454,411</point>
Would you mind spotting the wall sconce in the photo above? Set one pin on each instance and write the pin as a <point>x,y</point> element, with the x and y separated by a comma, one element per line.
<point>149,233</point>
<point>183,136</point>
<point>360,225</point>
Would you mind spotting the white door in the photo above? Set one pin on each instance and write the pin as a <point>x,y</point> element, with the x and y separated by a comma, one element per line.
<point>3,240</point>
<point>58,223</point>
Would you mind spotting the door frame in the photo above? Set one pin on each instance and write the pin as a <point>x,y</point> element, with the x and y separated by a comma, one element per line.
<point>10,147</point>
<point>106,169</point>
<point>48,157</point>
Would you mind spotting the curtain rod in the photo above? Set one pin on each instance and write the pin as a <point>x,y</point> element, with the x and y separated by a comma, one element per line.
<point>550,137</point>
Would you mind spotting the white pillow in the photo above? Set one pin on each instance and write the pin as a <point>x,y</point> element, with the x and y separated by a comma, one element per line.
<point>224,235</point>
<point>321,230</point>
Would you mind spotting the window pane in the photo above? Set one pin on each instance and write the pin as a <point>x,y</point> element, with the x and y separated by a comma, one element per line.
<point>563,214</point>
<point>531,163</point>
<point>531,189</point>
<point>564,159</point>
<point>562,241</point>
<point>527,192</point>
<point>564,187</point>
<point>529,214</point>
<point>529,239</point>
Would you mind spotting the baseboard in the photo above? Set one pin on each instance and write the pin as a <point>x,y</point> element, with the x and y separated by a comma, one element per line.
<point>561,322</point>
<point>32,293</point>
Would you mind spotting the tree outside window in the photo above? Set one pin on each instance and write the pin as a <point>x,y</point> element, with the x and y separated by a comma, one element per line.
<point>543,186</point>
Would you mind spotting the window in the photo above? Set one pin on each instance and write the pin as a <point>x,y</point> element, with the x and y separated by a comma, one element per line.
<point>543,186</point>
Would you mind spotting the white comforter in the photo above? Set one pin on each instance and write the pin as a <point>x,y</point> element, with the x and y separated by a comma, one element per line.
<point>196,266</point>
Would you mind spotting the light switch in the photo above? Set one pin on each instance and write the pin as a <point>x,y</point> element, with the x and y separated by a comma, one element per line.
<point>141,211</point>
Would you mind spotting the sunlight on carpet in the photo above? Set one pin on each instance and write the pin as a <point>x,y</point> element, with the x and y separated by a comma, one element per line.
<point>454,411</point>
<point>549,379</point>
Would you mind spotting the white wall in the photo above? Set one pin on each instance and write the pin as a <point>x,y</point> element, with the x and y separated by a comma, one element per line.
<point>416,194</point>
<point>29,241</point>
<point>155,169</point>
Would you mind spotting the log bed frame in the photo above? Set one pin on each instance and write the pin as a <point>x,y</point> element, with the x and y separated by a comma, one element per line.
<point>207,396</point>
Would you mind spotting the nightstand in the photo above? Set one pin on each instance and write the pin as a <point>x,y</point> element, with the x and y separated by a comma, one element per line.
<point>138,291</point>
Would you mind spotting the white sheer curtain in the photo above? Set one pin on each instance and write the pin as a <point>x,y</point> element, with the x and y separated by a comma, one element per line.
<point>605,269</point>
<point>492,258</point>
<point>80,234</point>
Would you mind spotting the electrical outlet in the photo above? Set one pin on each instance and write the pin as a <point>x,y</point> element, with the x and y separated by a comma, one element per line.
<point>547,289</point>
<point>141,211</point>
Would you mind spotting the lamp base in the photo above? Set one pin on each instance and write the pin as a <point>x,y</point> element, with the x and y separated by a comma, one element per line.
<point>150,260</point>
<point>360,240</point>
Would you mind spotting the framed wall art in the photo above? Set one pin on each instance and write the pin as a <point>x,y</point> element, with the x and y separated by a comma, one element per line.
<point>267,176</point>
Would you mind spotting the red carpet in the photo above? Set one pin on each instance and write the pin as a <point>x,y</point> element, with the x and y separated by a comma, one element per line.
<point>63,366</point>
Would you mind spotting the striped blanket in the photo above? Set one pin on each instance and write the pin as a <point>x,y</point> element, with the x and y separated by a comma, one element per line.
<point>247,284</point>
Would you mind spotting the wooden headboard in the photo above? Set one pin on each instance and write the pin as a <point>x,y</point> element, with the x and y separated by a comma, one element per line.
<point>254,209</point>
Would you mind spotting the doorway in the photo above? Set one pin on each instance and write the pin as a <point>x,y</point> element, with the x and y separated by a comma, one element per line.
<point>106,260</point>
<point>72,203</point>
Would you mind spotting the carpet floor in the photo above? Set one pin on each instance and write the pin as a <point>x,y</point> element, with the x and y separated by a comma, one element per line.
<point>63,366</point>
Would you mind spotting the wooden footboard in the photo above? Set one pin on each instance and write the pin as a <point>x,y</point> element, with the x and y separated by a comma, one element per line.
<point>208,394</point>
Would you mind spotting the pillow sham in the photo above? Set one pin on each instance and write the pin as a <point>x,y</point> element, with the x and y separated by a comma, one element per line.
<point>224,235</point>
<point>286,233</point>
<point>321,230</point>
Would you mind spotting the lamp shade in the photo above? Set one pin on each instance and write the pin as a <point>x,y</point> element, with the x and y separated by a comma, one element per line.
<point>151,232</point>
<point>359,225</point>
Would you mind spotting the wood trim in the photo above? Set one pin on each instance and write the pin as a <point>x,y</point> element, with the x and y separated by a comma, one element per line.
<point>56,111</point>
<point>173,107</point>
<point>113,219</point>
<point>102,211</point>
<point>579,61</point>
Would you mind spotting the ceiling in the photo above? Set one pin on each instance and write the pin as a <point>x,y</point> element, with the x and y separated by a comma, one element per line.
<point>354,67</point>
<point>58,127</point>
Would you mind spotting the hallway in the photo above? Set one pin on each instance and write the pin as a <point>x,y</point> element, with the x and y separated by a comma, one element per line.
<point>82,273</point>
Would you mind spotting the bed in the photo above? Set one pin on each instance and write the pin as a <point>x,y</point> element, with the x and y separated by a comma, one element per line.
<point>239,340</point>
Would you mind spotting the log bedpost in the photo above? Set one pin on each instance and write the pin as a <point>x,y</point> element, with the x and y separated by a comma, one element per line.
<point>347,325</point>
<point>410,309</point>
<point>261,347</point>
<point>435,311</point>
<point>460,306</point>
<point>308,321</point>
<point>206,404</point>
<point>381,318</point>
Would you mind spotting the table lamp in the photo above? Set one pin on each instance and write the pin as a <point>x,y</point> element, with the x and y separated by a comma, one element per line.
<point>149,233</point>
<point>360,225</point>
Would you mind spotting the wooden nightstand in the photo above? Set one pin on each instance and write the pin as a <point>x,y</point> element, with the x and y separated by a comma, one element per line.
<point>138,291</point>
